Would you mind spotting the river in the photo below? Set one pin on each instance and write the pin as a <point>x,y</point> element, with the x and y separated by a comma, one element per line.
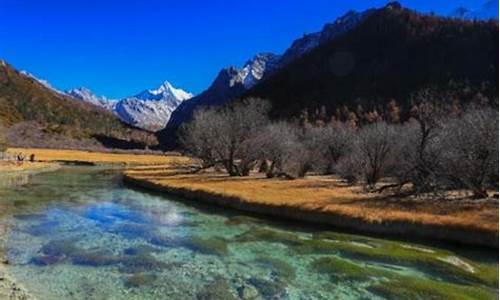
<point>79,233</point>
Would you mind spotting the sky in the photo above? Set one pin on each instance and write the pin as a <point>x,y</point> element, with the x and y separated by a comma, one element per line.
<point>119,48</point>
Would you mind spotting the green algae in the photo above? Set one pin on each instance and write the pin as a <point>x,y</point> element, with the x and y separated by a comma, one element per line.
<point>427,259</point>
<point>209,246</point>
<point>424,289</point>
<point>242,220</point>
<point>281,268</point>
<point>342,269</point>
<point>268,235</point>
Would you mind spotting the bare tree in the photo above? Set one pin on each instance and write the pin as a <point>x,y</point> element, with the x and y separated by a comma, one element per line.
<point>281,148</point>
<point>330,143</point>
<point>470,151</point>
<point>419,150</point>
<point>374,154</point>
<point>226,136</point>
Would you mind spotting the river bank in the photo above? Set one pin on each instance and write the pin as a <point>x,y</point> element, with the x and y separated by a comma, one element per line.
<point>327,201</point>
<point>97,158</point>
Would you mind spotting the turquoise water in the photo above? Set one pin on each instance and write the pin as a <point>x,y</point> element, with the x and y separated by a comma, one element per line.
<point>78,233</point>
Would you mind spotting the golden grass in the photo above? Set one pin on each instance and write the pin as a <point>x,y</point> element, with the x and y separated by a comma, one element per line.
<point>48,155</point>
<point>326,194</point>
<point>9,166</point>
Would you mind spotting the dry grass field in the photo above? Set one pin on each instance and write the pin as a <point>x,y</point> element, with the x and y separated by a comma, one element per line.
<point>326,195</point>
<point>9,166</point>
<point>50,155</point>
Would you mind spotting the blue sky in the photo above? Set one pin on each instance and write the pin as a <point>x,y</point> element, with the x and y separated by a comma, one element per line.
<point>118,48</point>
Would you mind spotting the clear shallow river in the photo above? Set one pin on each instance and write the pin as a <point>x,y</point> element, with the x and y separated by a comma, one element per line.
<point>78,233</point>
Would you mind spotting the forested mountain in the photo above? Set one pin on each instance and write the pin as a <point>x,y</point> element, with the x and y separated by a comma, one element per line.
<point>391,55</point>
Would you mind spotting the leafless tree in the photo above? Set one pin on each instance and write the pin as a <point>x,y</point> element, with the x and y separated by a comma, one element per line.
<point>330,143</point>
<point>470,151</point>
<point>373,156</point>
<point>282,151</point>
<point>418,149</point>
<point>226,136</point>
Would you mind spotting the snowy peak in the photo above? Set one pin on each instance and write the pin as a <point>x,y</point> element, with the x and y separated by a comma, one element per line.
<point>164,92</point>
<point>151,109</point>
<point>255,69</point>
<point>86,95</point>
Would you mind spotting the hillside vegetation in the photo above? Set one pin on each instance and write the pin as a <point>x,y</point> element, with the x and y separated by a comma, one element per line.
<point>35,114</point>
<point>384,62</point>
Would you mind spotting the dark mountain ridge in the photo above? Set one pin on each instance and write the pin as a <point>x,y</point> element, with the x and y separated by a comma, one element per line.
<point>392,54</point>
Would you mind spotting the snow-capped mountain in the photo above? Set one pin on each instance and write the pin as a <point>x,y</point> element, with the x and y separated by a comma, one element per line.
<point>151,109</point>
<point>231,82</point>
<point>86,95</point>
<point>254,69</point>
<point>487,11</point>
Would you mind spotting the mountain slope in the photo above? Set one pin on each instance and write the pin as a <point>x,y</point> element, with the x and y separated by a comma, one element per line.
<point>34,111</point>
<point>393,53</point>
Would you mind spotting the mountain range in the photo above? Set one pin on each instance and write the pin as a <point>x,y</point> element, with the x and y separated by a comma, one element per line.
<point>233,82</point>
<point>362,58</point>
<point>149,110</point>
<point>356,64</point>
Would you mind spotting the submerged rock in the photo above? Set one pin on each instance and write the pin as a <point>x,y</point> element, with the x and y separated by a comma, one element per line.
<point>141,263</point>
<point>138,280</point>
<point>59,248</point>
<point>163,241</point>
<point>46,260</point>
<point>269,289</point>
<point>248,292</point>
<point>93,259</point>
<point>140,250</point>
<point>219,289</point>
